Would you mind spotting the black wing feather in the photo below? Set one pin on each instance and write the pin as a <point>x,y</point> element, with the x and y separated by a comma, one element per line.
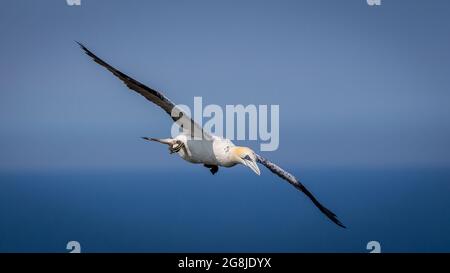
<point>152,95</point>
<point>299,186</point>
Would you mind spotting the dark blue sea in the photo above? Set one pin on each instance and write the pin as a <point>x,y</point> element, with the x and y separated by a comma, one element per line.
<point>406,210</point>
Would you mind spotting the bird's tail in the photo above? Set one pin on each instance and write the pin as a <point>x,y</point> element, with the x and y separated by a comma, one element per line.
<point>174,145</point>
<point>168,141</point>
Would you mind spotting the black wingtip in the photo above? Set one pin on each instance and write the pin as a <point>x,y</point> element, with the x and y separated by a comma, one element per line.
<point>89,53</point>
<point>80,44</point>
<point>337,222</point>
<point>86,50</point>
<point>328,213</point>
<point>340,224</point>
<point>146,138</point>
<point>331,216</point>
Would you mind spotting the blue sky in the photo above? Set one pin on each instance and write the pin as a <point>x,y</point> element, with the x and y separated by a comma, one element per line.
<point>364,122</point>
<point>357,85</point>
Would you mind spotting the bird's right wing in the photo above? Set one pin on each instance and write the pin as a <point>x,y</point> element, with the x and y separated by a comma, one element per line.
<point>177,115</point>
<point>299,186</point>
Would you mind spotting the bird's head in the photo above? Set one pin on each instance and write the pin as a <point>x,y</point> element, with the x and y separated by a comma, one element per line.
<point>245,156</point>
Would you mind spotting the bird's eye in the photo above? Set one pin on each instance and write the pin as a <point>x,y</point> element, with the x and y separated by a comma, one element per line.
<point>247,157</point>
<point>227,148</point>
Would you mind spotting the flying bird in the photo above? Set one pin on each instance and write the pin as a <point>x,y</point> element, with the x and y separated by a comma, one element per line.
<point>195,145</point>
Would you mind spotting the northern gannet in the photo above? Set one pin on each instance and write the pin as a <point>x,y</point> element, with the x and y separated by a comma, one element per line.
<point>197,146</point>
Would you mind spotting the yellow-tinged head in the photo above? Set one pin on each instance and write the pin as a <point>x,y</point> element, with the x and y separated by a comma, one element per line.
<point>245,156</point>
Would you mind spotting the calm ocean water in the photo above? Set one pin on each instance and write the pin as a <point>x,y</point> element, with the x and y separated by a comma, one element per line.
<point>403,209</point>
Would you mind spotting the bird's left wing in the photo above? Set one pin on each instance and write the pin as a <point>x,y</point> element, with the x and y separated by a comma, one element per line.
<point>299,186</point>
<point>177,115</point>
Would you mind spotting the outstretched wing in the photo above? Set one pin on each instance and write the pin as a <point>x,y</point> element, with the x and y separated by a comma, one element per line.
<point>154,96</point>
<point>294,182</point>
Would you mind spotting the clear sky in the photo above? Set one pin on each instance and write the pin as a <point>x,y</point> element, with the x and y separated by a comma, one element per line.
<point>357,85</point>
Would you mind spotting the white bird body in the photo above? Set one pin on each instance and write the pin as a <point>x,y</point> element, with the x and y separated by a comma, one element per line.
<point>204,148</point>
<point>211,152</point>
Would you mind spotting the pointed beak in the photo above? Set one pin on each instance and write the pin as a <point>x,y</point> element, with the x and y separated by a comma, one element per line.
<point>252,165</point>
